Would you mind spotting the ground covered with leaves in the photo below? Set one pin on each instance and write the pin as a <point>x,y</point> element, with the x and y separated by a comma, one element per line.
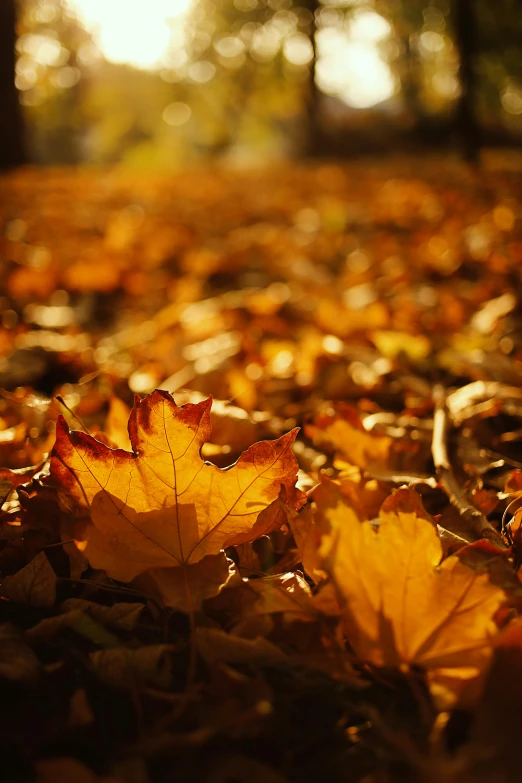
<point>313,575</point>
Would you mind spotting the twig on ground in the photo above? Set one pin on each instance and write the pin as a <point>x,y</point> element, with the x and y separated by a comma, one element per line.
<point>477,523</point>
<point>70,410</point>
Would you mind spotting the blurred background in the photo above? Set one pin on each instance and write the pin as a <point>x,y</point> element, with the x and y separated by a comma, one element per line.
<point>143,250</point>
<point>165,83</point>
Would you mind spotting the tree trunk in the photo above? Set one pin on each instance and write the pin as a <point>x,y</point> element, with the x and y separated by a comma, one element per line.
<point>11,126</point>
<point>314,137</point>
<point>465,37</point>
<point>410,79</point>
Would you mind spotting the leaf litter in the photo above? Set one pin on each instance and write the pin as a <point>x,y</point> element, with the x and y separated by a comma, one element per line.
<point>314,574</point>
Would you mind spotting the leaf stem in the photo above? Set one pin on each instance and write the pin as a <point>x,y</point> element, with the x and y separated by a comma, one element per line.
<point>191,670</point>
<point>184,698</point>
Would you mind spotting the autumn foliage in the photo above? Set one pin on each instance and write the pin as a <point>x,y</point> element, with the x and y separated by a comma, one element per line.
<point>321,563</point>
<point>161,505</point>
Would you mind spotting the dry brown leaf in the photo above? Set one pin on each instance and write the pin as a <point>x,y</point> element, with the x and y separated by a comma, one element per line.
<point>123,667</point>
<point>285,594</point>
<point>124,616</point>
<point>248,558</point>
<point>50,626</point>
<point>216,646</point>
<point>80,622</point>
<point>17,661</point>
<point>35,584</point>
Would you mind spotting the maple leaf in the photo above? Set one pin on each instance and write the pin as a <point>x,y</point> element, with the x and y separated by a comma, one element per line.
<point>161,505</point>
<point>116,423</point>
<point>185,589</point>
<point>342,431</point>
<point>401,607</point>
<point>311,523</point>
<point>307,536</point>
<point>35,584</point>
<point>287,595</point>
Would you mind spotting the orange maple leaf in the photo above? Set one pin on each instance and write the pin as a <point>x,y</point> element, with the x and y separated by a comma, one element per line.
<point>161,505</point>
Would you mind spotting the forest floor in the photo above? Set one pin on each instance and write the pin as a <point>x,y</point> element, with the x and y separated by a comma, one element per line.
<point>342,603</point>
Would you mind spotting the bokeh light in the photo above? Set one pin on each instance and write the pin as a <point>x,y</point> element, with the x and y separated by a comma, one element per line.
<point>134,33</point>
<point>350,63</point>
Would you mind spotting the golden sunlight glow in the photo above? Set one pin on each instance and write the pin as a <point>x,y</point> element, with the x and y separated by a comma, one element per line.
<point>134,32</point>
<point>350,65</point>
<point>149,34</point>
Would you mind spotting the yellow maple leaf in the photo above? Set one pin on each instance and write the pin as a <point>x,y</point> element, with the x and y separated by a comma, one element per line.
<point>401,606</point>
<point>116,423</point>
<point>161,505</point>
<point>309,525</point>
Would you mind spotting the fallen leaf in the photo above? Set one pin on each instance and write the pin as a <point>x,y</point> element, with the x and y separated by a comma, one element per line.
<point>486,500</point>
<point>232,426</point>
<point>392,344</point>
<point>50,626</point>
<point>123,667</point>
<point>124,616</point>
<point>216,646</point>
<point>342,431</point>
<point>513,488</point>
<point>185,589</point>
<point>400,607</point>
<point>5,490</point>
<point>286,594</point>
<point>68,770</point>
<point>116,423</point>
<point>248,558</point>
<point>407,501</point>
<point>80,622</point>
<point>19,476</point>
<point>161,505</point>
<point>307,535</point>
<point>35,584</point>
<point>513,484</point>
<point>311,523</point>
<point>492,751</point>
<point>17,661</point>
